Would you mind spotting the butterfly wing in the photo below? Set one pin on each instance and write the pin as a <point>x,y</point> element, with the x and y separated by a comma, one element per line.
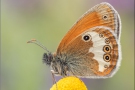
<point>94,53</point>
<point>100,15</point>
<point>91,47</point>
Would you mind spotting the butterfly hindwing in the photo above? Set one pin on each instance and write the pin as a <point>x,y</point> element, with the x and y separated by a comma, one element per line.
<point>92,53</point>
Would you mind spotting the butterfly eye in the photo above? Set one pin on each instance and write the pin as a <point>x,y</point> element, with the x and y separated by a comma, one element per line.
<point>107,49</point>
<point>107,41</point>
<point>87,37</point>
<point>107,57</point>
<point>105,17</point>
<point>101,35</point>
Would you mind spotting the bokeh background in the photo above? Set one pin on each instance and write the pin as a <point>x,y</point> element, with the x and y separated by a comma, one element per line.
<point>48,21</point>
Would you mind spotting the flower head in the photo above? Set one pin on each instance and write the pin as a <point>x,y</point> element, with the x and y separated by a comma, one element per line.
<point>69,83</point>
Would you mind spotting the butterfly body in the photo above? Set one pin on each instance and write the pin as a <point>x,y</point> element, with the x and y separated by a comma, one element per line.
<point>91,48</point>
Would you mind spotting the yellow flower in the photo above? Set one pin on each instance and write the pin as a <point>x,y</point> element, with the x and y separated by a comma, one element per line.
<point>69,83</point>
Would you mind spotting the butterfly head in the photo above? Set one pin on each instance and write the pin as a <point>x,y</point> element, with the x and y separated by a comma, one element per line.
<point>47,58</point>
<point>57,64</point>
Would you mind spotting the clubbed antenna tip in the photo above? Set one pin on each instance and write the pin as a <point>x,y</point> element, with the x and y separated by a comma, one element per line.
<point>32,40</point>
<point>38,43</point>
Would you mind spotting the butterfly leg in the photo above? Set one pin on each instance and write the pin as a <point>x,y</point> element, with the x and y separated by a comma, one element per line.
<point>53,78</point>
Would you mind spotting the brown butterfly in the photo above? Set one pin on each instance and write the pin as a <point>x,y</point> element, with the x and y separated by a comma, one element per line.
<point>91,48</point>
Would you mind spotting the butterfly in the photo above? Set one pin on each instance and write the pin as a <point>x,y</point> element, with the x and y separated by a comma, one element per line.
<point>91,48</point>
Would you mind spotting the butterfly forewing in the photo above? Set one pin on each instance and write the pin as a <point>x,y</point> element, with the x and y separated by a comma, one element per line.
<point>100,15</point>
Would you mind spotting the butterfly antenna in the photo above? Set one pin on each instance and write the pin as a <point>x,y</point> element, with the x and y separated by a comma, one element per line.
<point>39,44</point>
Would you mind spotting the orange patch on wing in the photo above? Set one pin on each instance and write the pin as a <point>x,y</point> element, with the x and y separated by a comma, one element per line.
<point>91,19</point>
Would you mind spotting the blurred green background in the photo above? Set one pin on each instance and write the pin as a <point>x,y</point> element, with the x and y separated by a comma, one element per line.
<point>48,21</point>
